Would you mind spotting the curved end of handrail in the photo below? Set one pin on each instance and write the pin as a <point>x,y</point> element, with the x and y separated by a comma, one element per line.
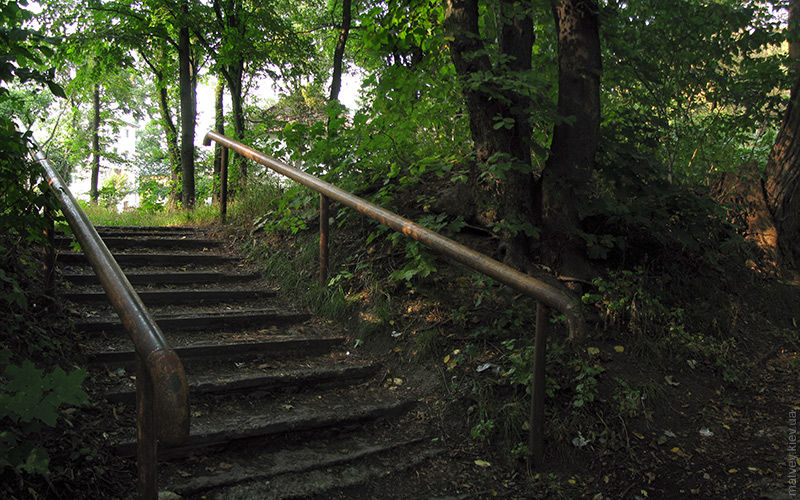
<point>207,138</point>
<point>171,392</point>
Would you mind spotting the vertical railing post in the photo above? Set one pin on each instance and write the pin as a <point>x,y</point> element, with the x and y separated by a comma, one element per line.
<point>323,239</point>
<point>146,445</point>
<point>50,256</point>
<point>223,195</point>
<point>536,432</point>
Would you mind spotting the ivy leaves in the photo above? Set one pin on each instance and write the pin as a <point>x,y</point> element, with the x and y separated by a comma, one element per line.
<point>29,398</point>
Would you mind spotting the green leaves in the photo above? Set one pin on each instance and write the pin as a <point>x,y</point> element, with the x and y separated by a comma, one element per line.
<point>28,399</point>
<point>29,395</point>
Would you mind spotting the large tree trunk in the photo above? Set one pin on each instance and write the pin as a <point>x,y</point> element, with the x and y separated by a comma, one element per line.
<point>500,127</point>
<point>772,202</point>
<point>187,114</point>
<point>566,179</point>
<point>219,127</point>
<point>782,184</point>
<point>93,191</point>
<point>794,35</point>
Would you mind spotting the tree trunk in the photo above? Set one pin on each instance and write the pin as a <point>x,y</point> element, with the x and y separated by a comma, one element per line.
<point>566,180</point>
<point>173,151</point>
<point>338,52</point>
<point>93,192</point>
<point>500,128</point>
<point>793,35</point>
<point>234,78</point>
<point>219,127</point>
<point>772,202</point>
<point>187,114</point>
<point>782,184</point>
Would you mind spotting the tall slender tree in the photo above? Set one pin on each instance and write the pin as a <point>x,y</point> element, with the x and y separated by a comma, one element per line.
<point>188,114</point>
<point>93,192</point>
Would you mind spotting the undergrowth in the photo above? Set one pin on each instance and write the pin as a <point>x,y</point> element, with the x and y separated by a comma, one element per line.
<point>680,298</point>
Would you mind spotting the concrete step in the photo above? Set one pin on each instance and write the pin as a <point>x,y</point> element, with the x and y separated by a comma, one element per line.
<point>206,321</point>
<point>146,230</point>
<point>219,424</point>
<point>175,297</point>
<point>166,278</point>
<point>307,346</point>
<point>261,381</point>
<point>152,259</point>
<point>284,466</point>
<point>175,243</point>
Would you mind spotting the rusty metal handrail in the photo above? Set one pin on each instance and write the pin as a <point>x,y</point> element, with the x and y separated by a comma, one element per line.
<point>162,393</point>
<point>547,294</point>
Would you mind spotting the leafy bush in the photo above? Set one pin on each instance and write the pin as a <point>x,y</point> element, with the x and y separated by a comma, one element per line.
<point>29,400</point>
<point>113,190</point>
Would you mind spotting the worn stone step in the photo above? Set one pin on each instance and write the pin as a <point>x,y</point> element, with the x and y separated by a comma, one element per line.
<point>117,242</point>
<point>152,259</point>
<point>221,424</point>
<point>228,350</point>
<point>175,297</point>
<point>339,480</point>
<point>136,230</point>
<point>282,380</point>
<point>166,278</point>
<point>207,321</point>
<point>257,469</point>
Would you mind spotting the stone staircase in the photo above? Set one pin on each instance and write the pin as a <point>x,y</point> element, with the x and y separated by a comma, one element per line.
<point>280,408</point>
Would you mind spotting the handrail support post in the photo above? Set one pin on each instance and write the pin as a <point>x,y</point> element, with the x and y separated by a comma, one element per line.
<point>223,195</point>
<point>50,256</point>
<point>323,239</point>
<point>146,443</point>
<point>536,431</point>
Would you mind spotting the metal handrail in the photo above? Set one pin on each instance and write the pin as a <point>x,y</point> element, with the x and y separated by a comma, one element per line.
<point>162,393</point>
<point>546,293</point>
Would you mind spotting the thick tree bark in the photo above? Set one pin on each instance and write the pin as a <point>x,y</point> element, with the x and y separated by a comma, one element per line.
<point>794,35</point>
<point>782,184</point>
<point>498,118</point>
<point>93,191</point>
<point>772,202</point>
<point>187,114</point>
<point>219,127</point>
<point>338,52</point>
<point>566,179</point>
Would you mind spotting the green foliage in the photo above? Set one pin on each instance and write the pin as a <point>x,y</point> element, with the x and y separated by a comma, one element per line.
<point>637,213</point>
<point>152,194</point>
<point>699,104</point>
<point>113,190</point>
<point>630,400</point>
<point>30,399</point>
<point>24,52</point>
<point>586,384</point>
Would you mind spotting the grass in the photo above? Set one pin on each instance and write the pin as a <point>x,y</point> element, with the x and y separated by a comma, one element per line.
<point>102,216</point>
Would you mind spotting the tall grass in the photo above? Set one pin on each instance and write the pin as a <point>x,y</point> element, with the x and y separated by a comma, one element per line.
<point>102,216</point>
<point>255,198</point>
